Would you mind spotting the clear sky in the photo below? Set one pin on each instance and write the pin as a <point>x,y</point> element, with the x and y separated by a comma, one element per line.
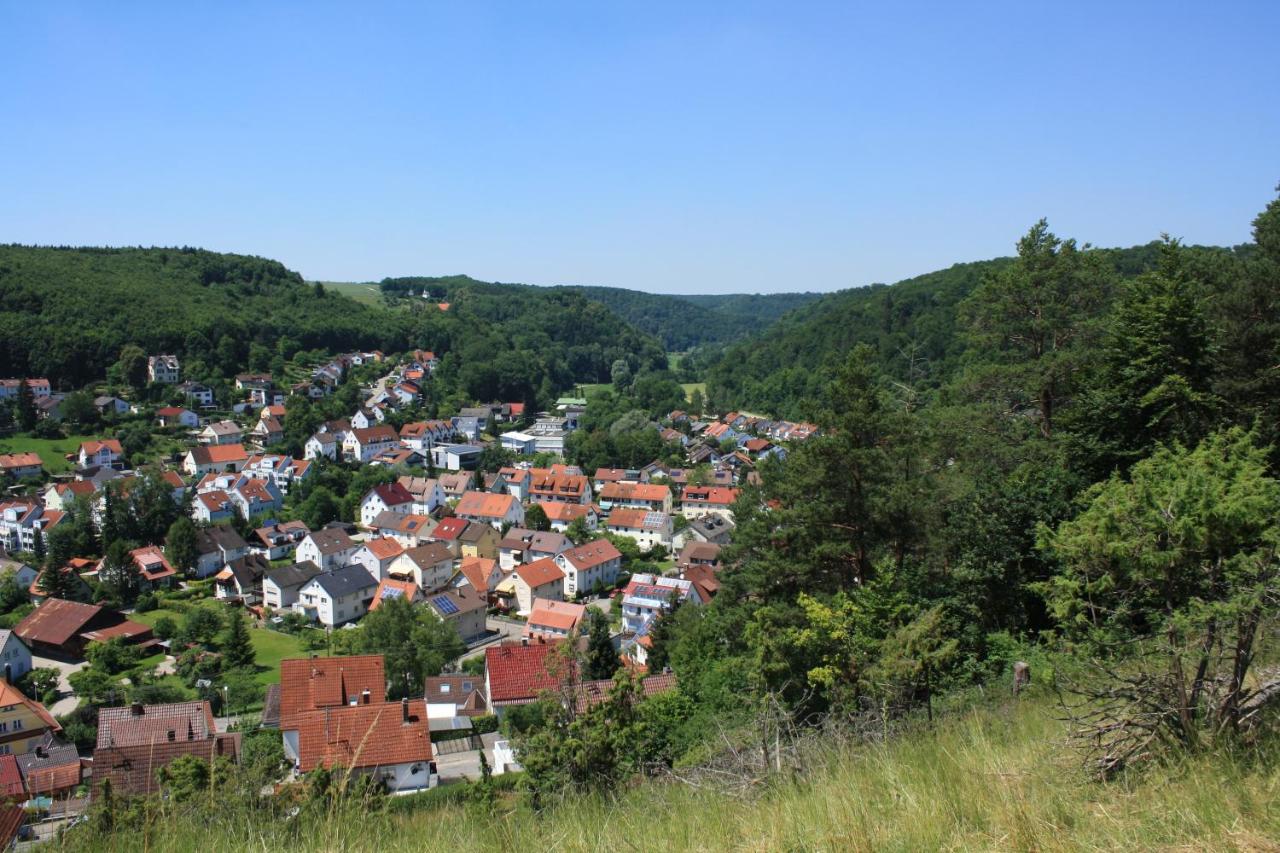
<point>676,147</point>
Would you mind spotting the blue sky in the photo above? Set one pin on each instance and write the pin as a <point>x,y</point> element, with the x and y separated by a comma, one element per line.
<point>660,146</point>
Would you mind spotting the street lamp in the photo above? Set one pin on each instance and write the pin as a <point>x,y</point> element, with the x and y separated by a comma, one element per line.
<point>226,701</point>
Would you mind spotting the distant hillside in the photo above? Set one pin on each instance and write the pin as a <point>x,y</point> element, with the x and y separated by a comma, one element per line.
<point>66,313</point>
<point>683,322</point>
<point>911,324</point>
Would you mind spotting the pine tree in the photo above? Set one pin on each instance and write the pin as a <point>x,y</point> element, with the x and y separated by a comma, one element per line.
<point>601,661</point>
<point>237,647</point>
<point>38,547</point>
<point>181,544</point>
<point>26,406</point>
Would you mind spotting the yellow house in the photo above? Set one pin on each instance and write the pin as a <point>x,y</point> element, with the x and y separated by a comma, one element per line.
<point>479,540</point>
<point>23,722</point>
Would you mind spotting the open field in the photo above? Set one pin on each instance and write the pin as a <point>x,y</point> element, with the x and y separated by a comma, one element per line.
<point>52,451</point>
<point>690,387</point>
<point>360,291</point>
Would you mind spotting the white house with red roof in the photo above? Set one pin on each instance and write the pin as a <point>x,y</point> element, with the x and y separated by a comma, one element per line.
<point>561,515</point>
<point>21,465</point>
<point>361,445</point>
<point>553,620</point>
<point>377,555</point>
<point>699,501</point>
<point>486,508</point>
<point>105,453</point>
<point>590,564</point>
<point>385,497</point>
<point>539,579</point>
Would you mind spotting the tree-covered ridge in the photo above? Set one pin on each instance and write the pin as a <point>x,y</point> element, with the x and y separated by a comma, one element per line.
<point>66,313</point>
<point>911,326</point>
<point>681,322</point>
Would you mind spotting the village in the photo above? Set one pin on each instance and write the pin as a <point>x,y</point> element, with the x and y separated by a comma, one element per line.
<point>517,561</point>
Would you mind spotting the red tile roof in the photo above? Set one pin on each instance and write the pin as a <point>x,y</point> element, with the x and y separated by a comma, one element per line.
<point>11,778</point>
<point>151,562</point>
<point>392,588</point>
<point>358,736</point>
<point>591,554</point>
<point>92,447</point>
<point>11,696</point>
<point>449,529</point>
<point>485,505</point>
<point>540,572</point>
<point>308,684</point>
<point>564,511</point>
<point>477,571</point>
<point>141,725</point>
<point>558,615</point>
<point>384,548</point>
<point>56,621</point>
<point>648,492</point>
<point>392,494</point>
<point>519,674</point>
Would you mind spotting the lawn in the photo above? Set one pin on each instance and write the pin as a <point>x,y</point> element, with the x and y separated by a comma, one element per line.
<point>585,391</point>
<point>690,387</point>
<point>52,450</point>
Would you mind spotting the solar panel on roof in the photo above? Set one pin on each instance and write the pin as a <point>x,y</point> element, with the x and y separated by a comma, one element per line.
<point>445,605</point>
<point>654,519</point>
<point>392,592</point>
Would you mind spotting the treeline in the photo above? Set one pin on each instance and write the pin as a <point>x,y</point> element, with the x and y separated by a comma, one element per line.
<point>680,322</point>
<point>67,313</point>
<point>912,326</point>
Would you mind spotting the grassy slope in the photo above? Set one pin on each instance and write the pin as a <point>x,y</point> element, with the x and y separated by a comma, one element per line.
<point>360,291</point>
<point>52,451</point>
<point>995,779</point>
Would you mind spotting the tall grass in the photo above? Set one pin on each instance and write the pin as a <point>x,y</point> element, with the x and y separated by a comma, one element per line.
<point>993,779</point>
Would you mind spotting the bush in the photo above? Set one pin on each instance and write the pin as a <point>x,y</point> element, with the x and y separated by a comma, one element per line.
<point>165,628</point>
<point>146,602</point>
<point>484,725</point>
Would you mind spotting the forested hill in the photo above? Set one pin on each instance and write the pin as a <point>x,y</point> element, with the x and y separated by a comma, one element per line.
<point>912,326</point>
<point>683,322</point>
<point>66,313</point>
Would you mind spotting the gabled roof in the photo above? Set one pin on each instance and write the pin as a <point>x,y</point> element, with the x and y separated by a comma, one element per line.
<point>138,725</point>
<point>466,692</point>
<point>407,523</point>
<point>11,696</point>
<point>590,693</point>
<point>375,434</point>
<point>56,621</point>
<point>92,447</point>
<point>428,555</point>
<point>710,495</point>
<point>564,511</point>
<point>219,537</point>
<point>384,548</point>
<point>359,736</point>
<point>518,674</point>
<point>456,601</point>
<point>331,540</point>
<point>591,554</point>
<point>485,505</point>
<point>637,519</point>
<point>478,571</point>
<point>540,572</point>
<point>389,588</point>
<point>648,492</point>
<point>289,577</point>
<point>449,529</point>
<point>218,454</point>
<point>558,615</point>
<point>345,581</point>
<point>308,684</point>
<point>391,494</point>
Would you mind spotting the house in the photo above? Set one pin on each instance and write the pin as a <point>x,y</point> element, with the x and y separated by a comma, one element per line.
<point>409,530</point>
<point>50,408</point>
<point>427,494</point>
<point>456,457</point>
<point>477,540</point>
<point>453,699</point>
<point>449,531</point>
<point>20,465</point>
<point>154,571</point>
<point>429,566</point>
<point>553,620</point>
<point>280,586</point>
<point>60,628</point>
<point>9,388</point>
<point>519,442</point>
<point>361,445</point>
<point>277,541</point>
<point>389,588</point>
<point>23,574</point>
<point>327,548</point>
<point>136,741</point>
<point>698,553</point>
<point>318,683</point>
<point>590,565</point>
<point>390,741</point>
<point>241,580</point>
<point>549,434</point>
<point>175,416</point>
<point>281,469</point>
<point>424,435</point>
<point>21,521</point>
<point>60,496</point>
<point>525,546</point>
<point>713,528</point>
<point>494,510</point>
<point>26,722</point>
<point>198,394</point>
<point>699,501</point>
<point>336,597</point>
<point>646,596</point>
<point>479,573</point>
<point>214,458</point>
<point>540,579</point>
<point>267,431</point>
<point>217,546</point>
<point>456,484</point>
<point>322,445</point>
<point>649,496</point>
<point>521,674</point>
<point>377,556</point>
<point>50,768</point>
<point>221,432</point>
<point>107,405</point>
<point>104,453</point>
<point>546,487</point>
<point>254,496</point>
<point>561,515</point>
<point>80,591</point>
<point>163,369</point>
<point>15,656</point>
<point>385,497</point>
<point>646,527</point>
<point>467,428</point>
<point>463,608</point>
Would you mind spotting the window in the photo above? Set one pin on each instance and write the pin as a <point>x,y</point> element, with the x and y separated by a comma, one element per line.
<point>17,725</point>
<point>4,727</point>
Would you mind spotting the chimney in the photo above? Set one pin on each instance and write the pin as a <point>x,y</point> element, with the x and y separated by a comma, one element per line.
<point>364,696</point>
<point>524,641</point>
<point>404,710</point>
<point>136,709</point>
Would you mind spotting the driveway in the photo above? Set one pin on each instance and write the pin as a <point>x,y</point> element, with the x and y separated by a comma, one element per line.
<point>465,765</point>
<point>67,701</point>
